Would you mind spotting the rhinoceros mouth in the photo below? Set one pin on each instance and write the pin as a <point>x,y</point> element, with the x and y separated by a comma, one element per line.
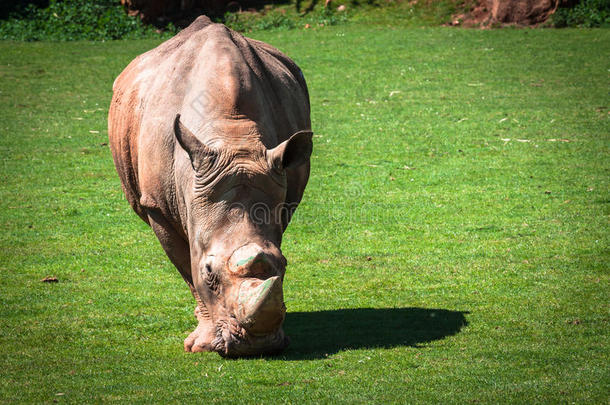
<point>232,340</point>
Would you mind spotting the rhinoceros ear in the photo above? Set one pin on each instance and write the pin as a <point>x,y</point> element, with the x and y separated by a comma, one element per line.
<point>292,153</point>
<point>198,152</point>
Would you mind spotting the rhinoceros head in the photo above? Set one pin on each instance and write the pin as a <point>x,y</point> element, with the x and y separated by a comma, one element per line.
<point>236,217</point>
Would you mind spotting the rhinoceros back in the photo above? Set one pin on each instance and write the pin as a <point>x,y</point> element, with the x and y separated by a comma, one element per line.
<point>268,88</point>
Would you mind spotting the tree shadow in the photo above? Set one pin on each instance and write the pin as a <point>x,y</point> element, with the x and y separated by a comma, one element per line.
<point>319,334</point>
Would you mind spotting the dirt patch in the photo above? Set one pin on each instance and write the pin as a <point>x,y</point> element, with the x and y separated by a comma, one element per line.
<point>493,13</point>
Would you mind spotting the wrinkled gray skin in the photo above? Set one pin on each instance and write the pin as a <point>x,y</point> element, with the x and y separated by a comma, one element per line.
<point>210,134</point>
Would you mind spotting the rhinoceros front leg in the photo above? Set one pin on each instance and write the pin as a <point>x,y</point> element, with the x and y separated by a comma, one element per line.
<point>178,252</point>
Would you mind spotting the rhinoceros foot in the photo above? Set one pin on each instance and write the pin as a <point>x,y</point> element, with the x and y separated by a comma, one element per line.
<point>200,340</point>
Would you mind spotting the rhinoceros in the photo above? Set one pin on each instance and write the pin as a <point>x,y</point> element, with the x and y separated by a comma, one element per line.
<point>210,133</point>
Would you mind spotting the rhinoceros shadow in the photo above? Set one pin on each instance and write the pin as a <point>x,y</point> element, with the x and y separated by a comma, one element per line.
<point>322,333</point>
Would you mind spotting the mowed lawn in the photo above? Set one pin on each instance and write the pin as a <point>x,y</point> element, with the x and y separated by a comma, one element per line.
<point>452,245</point>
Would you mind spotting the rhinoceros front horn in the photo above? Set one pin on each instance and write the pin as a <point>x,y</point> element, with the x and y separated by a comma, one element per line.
<point>260,305</point>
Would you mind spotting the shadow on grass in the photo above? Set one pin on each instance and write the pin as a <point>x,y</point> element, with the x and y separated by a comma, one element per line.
<point>318,334</point>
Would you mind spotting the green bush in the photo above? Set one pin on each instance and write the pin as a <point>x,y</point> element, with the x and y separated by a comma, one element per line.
<point>282,19</point>
<point>246,21</point>
<point>70,20</point>
<point>98,20</point>
<point>586,14</point>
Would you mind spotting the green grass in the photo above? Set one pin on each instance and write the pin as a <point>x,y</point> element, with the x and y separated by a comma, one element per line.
<point>431,260</point>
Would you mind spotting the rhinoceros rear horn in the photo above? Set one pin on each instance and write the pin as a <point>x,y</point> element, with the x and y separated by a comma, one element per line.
<point>198,152</point>
<point>292,153</point>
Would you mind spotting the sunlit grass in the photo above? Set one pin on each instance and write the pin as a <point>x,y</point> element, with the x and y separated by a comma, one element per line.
<point>452,245</point>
